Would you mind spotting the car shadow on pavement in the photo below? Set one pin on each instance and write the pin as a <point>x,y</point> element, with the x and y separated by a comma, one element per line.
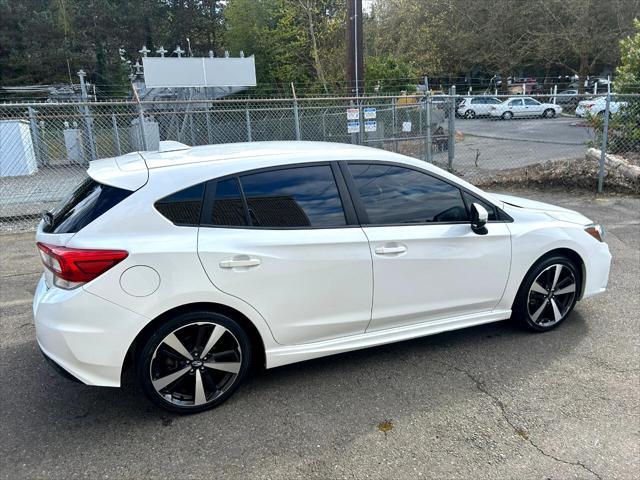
<point>415,374</point>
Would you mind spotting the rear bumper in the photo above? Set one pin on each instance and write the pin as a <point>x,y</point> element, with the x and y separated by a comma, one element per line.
<point>58,368</point>
<point>85,335</point>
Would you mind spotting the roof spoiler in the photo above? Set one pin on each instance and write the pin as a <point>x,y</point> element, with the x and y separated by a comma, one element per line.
<point>127,171</point>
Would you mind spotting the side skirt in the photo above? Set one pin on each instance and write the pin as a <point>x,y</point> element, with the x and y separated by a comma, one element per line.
<point>296,353</point>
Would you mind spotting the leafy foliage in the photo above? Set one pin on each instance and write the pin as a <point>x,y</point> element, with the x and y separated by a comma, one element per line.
<point>304,41</point>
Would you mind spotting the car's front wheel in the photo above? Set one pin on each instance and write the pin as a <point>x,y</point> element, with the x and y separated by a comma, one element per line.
<point>549,113</point>
<point>547,294</point>
<point>193,362</point>
<point>469,114</point>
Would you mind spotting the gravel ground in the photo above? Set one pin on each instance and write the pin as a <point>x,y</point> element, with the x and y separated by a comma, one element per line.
<point>489,402</point>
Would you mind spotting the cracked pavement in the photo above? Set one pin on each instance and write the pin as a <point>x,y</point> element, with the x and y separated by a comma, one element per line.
<point>488,402</point>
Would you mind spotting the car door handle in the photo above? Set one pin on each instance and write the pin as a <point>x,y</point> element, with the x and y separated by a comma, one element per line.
<point>390,249</point>
<point>244,262</point>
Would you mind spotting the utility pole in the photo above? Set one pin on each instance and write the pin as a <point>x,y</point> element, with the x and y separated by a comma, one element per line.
<point>355,63</point>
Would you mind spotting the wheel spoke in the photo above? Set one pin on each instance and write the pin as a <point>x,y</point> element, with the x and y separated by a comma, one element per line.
<point>217,332</point>
<point>536,287</point>
<point>231,367</point>
<point>199,396</point>
<point>556,276</point>
<point>538,312</point>
<point>177,345</point>
<point>568,289</point>
<point>556,311</point>
<point>162,382</point>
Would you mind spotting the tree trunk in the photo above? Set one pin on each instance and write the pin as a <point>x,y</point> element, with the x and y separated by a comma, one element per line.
<point>314,46</point>
<point>583,73</point>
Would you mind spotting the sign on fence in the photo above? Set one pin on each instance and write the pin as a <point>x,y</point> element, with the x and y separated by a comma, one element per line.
<point>353,114</point>
<point>353,127</point>
<point>370,126</point>
<point>369,113</point>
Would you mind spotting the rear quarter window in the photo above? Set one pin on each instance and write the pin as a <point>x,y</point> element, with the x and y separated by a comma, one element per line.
<point>183,207</point>
<point>86,203</point>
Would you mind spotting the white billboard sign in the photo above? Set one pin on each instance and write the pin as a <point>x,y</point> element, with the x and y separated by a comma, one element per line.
<point>165,72</point>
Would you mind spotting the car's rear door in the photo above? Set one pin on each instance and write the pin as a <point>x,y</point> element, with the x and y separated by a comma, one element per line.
<point>481,106</point>
<point>286,241</point>
<point>428,264</point>
<point>516,107</point>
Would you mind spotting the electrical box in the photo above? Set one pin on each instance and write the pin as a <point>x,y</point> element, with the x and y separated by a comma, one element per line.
<point>151,135</point>
<point>17,156</point>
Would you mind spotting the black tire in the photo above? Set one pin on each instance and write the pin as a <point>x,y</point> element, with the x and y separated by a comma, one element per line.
<point>530,302</point>
<point>157,361</point>
<point>469,114</point>
<point>549,113</point>
<point>507,116</point>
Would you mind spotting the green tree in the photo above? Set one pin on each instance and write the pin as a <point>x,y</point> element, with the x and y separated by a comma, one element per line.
<point>628,73</point>
<point>388,75</point>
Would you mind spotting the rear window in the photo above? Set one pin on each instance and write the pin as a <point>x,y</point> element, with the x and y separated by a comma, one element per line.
<point>86,203</point>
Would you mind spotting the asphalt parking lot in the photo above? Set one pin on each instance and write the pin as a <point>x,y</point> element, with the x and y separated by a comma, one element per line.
<point>489,145</point>
<point>487,402</point>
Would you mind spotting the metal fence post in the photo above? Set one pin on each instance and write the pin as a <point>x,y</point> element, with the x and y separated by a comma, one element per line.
<point>394,115</point>
<point>296,118</point>
<point>452,128</point>
<point>361,123</point>
<point>116,135</point>
<point>86,114</point>
<point>248,120</point>
<point>603,147</point>
<point>35,134</point>
<point>142,129</point>
<point>428,135</point>
<point>207,117</point>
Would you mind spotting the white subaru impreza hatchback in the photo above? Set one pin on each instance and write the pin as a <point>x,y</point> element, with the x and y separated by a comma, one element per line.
<point>196,263</point>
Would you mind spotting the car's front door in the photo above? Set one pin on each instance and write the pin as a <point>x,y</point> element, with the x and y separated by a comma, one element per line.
<point>532,107</point>
<point>428,264</point>
<point>281,240</point>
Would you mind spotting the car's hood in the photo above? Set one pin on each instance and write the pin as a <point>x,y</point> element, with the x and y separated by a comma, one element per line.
<point>554,211</point>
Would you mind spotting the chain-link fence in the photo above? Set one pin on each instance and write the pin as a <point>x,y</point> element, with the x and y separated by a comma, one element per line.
<point>45,147</point>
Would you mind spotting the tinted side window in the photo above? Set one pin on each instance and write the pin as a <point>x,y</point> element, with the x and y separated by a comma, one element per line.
<point>183,207</point>
<point>228,209</point>
<point>294,197</point>
<point>530,101</point>
<point>393,195</point>
<point>494,101</point>
<point>86,203</point>
<point>473,199</point>
<point>515,103</point>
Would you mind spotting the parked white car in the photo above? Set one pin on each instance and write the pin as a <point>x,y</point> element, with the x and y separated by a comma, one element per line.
<point>524,107</point>
<point>472,107</point>
<point>198,263</point>
<point>597,106</point>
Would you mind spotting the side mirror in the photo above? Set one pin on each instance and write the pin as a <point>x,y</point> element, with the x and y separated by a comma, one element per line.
<point>479,217</point>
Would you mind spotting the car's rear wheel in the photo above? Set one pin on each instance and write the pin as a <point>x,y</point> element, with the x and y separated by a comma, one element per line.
<point>507,116</point>
<point>549,113</point>
<point>548,294</point>
<point>193,362</point>
<point>469,114</point>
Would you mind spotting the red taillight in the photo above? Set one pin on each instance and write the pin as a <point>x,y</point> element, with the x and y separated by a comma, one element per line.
<point>76,266</point>
<point>589,105</point>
